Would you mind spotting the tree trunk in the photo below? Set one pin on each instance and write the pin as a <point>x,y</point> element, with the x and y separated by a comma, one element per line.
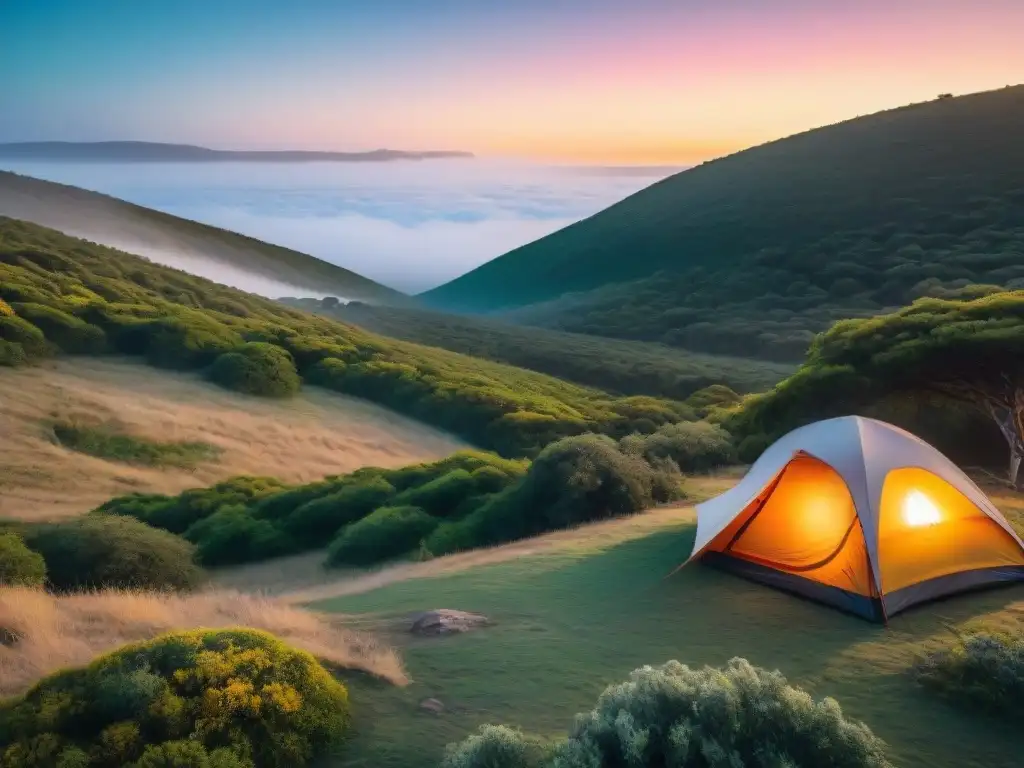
<point>1009,420</point>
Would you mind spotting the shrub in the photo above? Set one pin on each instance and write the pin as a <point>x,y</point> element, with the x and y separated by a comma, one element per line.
<point>979,670</point>
<point>442,495</point>
<point>714,396</point>
<point>19,565</point>
<point>12,354</point>
<point>70,333</point>
<point>16,330</point>
<point>386,533</point>
<point>177,513</point>
<point>257,368</point>
<point>575,480</point>
<point>203,699</point>
<point>110,551</point>
<point>695,446</point>
<point>187,340</point>
<point>694,718</point>
<point>5,309</point>
<point>318,520</point>
<point>232,535</point>
<point>497,746</point>
<point>751,447</point>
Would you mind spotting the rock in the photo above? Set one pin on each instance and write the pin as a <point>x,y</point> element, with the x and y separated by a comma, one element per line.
<point>444,621</point>
<point>432,705</point>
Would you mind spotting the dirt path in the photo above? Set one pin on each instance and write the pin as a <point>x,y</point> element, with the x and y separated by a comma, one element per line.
<point>299,440</point>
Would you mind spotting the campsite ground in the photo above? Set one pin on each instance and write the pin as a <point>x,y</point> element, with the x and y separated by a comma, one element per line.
<point>577,610</point>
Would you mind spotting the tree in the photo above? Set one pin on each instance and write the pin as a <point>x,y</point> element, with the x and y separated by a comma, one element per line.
<point>968,351</point>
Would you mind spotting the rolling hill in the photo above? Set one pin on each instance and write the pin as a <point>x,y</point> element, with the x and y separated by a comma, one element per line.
<point>218,254</point>
<point>754,253</point>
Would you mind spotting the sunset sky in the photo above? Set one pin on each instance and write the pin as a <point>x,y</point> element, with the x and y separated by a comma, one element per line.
<point>624,81</point>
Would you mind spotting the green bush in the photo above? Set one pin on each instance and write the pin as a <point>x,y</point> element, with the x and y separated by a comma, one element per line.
<point>201,699</point>
<point>187,340</point>
<point>319,520</point>
<point>752,446</point>
<point>695,446</point>
<point>16,330</point>
<point>19,565</point>
<point>980,670</point>
<point>257,368</point>
<point>109,551</point>
<point>693,718</point>
<point>573,481</point>
<point>497,746</point>
<point>12,354</point>
<point>442,495</point>
<point>5,309</point>
<point>177,513</point>
<point>68,332</point>
<point>231,535</point>
<point>386,533</point>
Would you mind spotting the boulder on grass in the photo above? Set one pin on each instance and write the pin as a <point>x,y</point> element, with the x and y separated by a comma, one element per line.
<point>444,621</point>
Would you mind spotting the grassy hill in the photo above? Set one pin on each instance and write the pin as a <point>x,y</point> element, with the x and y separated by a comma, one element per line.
<point>624,367</point>
<point>753,253</point>
<point>59,294</point>
<point>173,240</point>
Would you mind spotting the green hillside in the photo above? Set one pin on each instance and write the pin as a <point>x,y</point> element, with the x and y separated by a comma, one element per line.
<point>753,253</point>
<point>63,295</point>
<point>625,367</point>
<point>111,221</point>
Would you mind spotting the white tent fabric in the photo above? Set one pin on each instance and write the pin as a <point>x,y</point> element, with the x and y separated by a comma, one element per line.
<point>862,451</point>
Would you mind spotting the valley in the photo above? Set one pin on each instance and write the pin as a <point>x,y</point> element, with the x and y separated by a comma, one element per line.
<point>221,510</point>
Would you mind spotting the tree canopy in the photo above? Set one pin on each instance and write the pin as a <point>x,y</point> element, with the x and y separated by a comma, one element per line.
<point>968,351</point>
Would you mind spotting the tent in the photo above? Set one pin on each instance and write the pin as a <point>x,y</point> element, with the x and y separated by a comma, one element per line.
<point>861,515</point>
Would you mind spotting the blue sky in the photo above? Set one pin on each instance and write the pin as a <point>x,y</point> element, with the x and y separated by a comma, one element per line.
<point>618,80</point>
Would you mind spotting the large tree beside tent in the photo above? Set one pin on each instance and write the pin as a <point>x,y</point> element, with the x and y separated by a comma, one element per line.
<point>969,351</point>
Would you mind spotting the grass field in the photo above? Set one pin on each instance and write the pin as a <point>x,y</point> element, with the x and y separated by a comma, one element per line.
<point>577,610</point>
<point>298,440</point>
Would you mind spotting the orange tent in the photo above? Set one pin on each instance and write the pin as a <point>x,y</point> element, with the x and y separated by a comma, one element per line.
<point>859,514</point>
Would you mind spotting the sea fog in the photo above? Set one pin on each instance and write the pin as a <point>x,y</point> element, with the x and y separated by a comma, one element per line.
<point>411,225</point>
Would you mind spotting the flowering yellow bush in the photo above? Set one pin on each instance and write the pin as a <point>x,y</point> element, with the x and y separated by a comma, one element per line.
<point>223,699</point>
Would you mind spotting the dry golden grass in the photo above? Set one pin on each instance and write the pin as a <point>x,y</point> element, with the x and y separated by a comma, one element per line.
<point>298,440</point>
<point>56,631</point>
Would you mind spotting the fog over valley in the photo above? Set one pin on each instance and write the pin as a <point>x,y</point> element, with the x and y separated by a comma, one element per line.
<point>408,225</point>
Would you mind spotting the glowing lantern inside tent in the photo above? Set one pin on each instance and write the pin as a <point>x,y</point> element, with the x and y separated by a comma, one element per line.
<point>920,511</point>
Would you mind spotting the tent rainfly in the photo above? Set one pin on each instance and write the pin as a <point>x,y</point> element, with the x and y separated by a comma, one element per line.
<point>860,515</point>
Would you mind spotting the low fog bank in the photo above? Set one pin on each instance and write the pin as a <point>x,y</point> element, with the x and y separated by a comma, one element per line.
<point>410,226</point>
<point>219,272</point>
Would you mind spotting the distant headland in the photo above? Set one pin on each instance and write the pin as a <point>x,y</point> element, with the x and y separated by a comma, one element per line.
<point>155,152</point>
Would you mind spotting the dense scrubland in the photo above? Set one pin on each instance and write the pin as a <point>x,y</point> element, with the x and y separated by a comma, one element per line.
<point>67,295</point>
<point>623,367</point>
<point>468,500</point>
<point>754,253</point>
